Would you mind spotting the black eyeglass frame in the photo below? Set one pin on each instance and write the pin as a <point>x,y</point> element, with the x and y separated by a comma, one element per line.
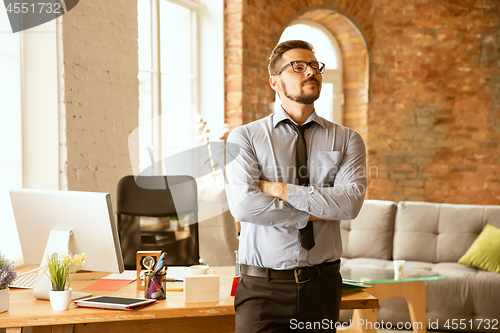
<point>308,64</point>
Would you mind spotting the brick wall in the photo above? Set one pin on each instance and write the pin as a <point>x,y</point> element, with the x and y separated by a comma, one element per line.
<point>233,62</point>
<point>431,122</point>
<point>100,92</point>
<point>433,116</point>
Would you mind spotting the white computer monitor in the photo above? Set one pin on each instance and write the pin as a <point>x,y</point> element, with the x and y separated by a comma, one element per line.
<point>53,221</point>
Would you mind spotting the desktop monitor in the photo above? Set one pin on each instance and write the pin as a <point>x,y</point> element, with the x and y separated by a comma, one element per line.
<point>54,221</point>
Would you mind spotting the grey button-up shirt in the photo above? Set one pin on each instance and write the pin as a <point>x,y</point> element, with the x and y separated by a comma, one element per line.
<point>265,150</point>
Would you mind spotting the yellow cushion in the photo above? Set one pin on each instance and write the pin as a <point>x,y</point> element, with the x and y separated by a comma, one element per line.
<point>484,253</point>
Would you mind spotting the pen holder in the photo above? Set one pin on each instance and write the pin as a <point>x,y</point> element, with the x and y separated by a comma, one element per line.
<point>140,257</point>
<point>155,285</point>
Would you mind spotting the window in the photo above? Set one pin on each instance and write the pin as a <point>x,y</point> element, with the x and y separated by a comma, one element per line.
<point>329,105</point>
<point>29,131</point>
<point>168,78</point>
<point>10,134</point>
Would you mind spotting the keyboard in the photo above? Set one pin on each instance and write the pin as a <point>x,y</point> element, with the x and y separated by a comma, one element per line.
<point>26,281</point>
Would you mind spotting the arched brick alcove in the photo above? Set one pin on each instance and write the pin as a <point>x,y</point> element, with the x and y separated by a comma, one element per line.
<point>355,64</point>
<point>253,28</point>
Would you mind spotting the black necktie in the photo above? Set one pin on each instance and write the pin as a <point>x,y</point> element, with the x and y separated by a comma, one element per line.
<point>306,233</point>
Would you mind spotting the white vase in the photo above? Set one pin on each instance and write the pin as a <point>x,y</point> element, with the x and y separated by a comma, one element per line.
<point>4,300</point>
<point>59,300</point>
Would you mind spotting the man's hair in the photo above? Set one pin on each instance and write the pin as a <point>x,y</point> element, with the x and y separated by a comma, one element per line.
<point>281,48</point>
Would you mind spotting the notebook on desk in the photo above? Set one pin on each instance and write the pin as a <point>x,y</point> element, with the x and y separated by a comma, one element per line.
<point>113,282</point>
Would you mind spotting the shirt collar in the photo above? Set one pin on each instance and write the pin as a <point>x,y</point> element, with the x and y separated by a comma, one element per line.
<point>280,115</point>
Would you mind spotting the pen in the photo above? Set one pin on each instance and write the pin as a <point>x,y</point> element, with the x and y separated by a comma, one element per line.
<point>161,262</point>
<point>173,280</point>
<point>148,275</point>
<point>151,289</point>
<point>150,266</point>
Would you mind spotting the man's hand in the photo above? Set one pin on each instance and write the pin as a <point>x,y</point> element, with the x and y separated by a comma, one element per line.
<point>280,191</point>
<point>315,218</point>
<point>274,189</point>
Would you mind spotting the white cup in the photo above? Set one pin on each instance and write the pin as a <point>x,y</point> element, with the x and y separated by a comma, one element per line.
<point>200,270</point>
<point>399,267</point>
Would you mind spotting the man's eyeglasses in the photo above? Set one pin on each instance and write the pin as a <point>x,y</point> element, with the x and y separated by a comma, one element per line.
<point>300,66</point>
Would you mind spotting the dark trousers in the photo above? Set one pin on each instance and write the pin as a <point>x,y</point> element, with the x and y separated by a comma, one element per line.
<point>282,306</point>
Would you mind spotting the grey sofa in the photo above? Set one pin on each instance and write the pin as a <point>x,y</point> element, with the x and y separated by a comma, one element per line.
<point>429,236</point>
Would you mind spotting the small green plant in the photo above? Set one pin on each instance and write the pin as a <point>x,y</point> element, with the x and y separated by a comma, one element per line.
<point>7,274</point>
<point>60,269</point>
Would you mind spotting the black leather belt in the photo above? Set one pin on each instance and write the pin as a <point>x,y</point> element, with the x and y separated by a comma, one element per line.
<point>300,274</point>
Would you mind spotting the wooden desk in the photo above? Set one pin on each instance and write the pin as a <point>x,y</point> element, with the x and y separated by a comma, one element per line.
<point>171,313</point>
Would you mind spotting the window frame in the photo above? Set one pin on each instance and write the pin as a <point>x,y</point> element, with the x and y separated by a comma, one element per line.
<point>156,154</point>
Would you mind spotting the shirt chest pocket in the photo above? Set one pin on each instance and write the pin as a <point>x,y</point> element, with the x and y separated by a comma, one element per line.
<point>325,166</point>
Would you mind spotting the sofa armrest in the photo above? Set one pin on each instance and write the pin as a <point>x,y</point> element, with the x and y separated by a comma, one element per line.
<point>370,234</point>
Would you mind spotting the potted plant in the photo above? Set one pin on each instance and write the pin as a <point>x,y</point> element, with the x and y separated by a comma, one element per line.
<point>61,269</point>
<point>7,275</point>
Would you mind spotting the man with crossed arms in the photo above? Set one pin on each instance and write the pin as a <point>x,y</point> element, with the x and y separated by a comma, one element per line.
<point>290,208</point>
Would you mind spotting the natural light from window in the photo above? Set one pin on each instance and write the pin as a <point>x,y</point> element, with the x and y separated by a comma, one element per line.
<point>325,50</point>
<point>167,79</point>
<point>10,135</point>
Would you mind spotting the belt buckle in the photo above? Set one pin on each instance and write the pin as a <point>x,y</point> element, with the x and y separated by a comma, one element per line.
<point>297,277</point>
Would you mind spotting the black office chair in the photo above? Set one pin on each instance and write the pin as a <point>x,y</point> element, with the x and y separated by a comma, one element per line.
<point>149,220</point>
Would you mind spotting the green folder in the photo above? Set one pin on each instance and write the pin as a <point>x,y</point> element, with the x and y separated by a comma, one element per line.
<point>351,285</point>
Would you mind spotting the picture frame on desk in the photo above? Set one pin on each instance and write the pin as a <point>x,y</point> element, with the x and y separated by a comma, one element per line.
<point>139,267</point>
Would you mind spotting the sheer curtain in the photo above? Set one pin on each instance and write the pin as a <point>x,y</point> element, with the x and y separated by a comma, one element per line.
<point>10,135</point>
<point>168,79</point>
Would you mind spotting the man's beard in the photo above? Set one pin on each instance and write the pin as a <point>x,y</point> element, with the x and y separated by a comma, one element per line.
<point>302,98</point>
